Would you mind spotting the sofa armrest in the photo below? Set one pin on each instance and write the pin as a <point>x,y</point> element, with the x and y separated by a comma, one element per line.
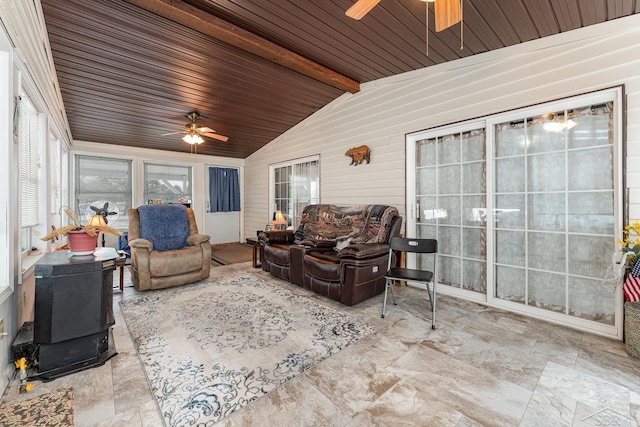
<point>364,250</point>
<point>278,236</point>
<point>318,244</point>
<point>197,239</point>
<point>141,244</point>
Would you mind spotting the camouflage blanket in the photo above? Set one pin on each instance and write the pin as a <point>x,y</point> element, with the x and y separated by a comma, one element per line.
<point>345,225</point>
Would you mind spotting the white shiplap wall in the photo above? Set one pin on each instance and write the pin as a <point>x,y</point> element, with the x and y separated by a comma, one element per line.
<point>379,116</point>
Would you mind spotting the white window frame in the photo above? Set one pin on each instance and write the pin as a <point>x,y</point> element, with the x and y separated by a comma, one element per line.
<point>9,260</point>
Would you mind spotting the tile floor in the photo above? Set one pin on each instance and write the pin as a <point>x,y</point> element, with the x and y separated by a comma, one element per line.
<point>481,367</point>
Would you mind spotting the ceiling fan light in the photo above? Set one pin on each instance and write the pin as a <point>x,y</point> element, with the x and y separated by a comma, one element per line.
<point>570,124</point>
<point>192,138</point>
<point>554,126</point>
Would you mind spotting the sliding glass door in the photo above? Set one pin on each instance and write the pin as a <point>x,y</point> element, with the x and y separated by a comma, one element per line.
<point>526,207</point>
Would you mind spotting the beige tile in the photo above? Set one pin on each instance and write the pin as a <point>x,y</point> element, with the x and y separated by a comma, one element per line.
<point>297,403</point>
<point>407,404</point>
<point>128,418</point>
<point>561,390</point>
<point>470,390</point>
<point>619,369</point>
<point>634,406</point>
<point>351,381</point>
<point>447,340</point>
<point>93,395</point>
<point>598,343</point>
<point>150,415</point>
<point>587,416</point>
<point>129,383</point>
<point>365,419</point>
<point>507,362</point>
<point>468,422</point>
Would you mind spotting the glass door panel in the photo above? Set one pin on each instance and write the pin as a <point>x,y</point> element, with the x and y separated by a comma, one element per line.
<point>451,206</point>
<point>553,198</point>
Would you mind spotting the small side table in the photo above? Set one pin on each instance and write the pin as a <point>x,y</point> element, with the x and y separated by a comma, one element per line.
<point>257,251</point>
<point>122,261</point>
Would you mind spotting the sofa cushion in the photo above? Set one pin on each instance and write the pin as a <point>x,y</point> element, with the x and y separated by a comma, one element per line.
<point>322,265</point>
<point>165,226</point>
<point>180,261</point>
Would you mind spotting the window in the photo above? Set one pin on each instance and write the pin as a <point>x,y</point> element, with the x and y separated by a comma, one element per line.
<point>167,183</point>
<point>294,185</point>
<point>29,171</point>
<point>526,207</point>
<point>104,183</point>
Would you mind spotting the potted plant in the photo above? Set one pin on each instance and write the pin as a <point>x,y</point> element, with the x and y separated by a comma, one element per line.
<point>630,248</point>
<point>630,271</point>
<point>82,238</point>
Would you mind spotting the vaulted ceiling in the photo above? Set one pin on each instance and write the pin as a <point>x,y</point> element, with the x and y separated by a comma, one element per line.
<point>131,70</point>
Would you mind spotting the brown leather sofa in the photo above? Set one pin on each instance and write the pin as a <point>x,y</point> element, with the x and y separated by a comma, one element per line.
<point>338,251</point>
<point>167,250</point>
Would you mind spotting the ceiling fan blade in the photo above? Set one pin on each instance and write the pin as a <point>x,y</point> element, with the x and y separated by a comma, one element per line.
<point>172,133</point>
<point>205,129</point>
<point>215,136</point>
<point>447,13</point>
<point>361,8</point>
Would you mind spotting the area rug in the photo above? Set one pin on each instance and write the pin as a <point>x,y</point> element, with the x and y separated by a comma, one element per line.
<point>210,349</point>
<point>51,409</point>
<point>231,253</point>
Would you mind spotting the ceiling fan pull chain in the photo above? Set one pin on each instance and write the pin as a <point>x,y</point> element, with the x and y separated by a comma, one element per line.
<point>461,24</point>
<point>426,6</point>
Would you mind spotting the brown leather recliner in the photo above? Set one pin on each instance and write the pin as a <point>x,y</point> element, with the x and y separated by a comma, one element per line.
<point>167,250</point>
<point>338,251</point>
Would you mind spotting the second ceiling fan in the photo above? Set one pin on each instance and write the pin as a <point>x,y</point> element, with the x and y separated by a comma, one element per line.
<point>194,133</point>
<point>447,12</point>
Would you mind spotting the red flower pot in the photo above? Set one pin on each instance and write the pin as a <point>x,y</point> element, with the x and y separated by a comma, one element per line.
<point>80,243</point>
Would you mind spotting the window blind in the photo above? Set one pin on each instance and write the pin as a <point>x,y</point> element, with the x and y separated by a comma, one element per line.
<point>101,180</point>
<point>167,183</point>
<point>29,164</point>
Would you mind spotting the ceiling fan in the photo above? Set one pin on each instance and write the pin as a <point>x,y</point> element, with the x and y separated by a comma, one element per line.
<point>194,133</point>
<point>447,13</point>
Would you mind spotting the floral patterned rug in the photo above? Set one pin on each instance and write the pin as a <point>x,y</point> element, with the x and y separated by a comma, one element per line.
<point>53,409</point>
<point>210,349</point>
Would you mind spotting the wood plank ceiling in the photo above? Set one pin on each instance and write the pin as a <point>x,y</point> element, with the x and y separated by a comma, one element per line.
<point>129,75</point>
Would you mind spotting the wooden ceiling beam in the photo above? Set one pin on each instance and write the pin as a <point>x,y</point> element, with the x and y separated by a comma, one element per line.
<point>196,19</point>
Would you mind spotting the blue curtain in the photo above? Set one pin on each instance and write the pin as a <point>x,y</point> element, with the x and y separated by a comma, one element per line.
<point>224,190</point>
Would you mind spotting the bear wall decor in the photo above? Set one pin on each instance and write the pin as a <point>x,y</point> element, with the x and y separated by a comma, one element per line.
<point>359,154</point>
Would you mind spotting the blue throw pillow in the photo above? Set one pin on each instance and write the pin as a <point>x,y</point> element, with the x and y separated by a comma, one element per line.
<point>164,225</point>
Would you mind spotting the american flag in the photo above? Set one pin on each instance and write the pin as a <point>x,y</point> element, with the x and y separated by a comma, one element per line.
<point>631,287</point>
